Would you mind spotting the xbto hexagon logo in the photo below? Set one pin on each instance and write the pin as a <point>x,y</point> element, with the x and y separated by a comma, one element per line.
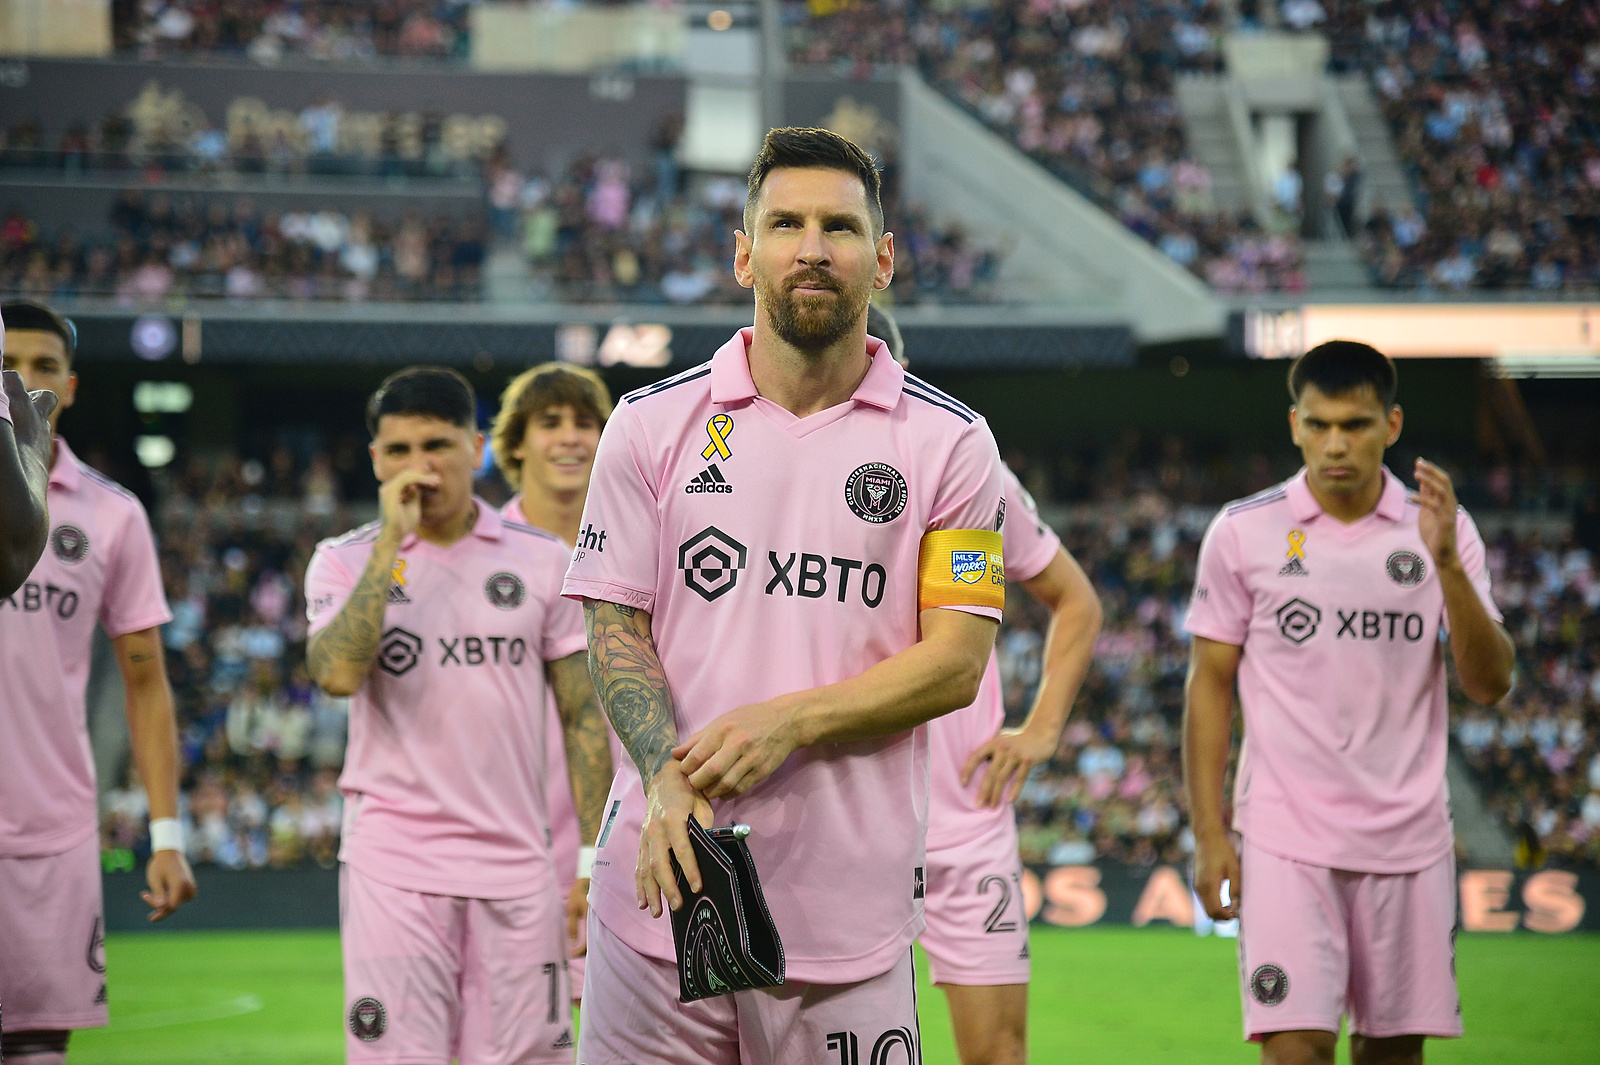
<point>399,652</point>
<point>711,561</point>
<point>1298,620</point>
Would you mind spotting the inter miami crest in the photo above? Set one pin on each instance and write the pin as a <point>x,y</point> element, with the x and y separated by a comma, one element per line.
<point>1269,985</point>
<point>368,1019</point>
<point>876,492</point>
<point>1406,568</point>
<point>70,544</point>
<point>505,590</point>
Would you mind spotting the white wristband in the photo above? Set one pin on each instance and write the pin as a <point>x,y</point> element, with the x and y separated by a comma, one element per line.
<point>166,834</point>
<point>585,862</point>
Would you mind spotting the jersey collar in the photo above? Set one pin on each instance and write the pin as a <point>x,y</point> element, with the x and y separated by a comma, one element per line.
<point>1303,506</point>
<point>65,472</point>
<point>731,381</point>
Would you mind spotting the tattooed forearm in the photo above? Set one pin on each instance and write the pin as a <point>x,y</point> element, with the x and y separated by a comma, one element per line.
<point>339,656</point>
<point>583,727</point>
<point>631,683</point>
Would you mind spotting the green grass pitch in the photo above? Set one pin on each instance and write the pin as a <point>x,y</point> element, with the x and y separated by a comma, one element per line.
<point>1109,995</point>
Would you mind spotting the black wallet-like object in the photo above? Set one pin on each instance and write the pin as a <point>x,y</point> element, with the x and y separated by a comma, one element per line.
<point>724,936</point>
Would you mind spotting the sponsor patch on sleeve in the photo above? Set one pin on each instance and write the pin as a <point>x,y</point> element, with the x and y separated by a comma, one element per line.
<point>961,567</point>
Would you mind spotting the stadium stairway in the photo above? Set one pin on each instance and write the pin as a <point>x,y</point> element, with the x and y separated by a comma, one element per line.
<point>1480,836</point>
<point>1333,268</point>
<point>1203,101</point>
<point>1384,182</point>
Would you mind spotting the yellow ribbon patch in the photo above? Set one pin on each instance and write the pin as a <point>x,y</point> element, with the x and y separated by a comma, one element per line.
<point>961,567</point>
<point>719,428</point>
<point>400,572</point>
<point>1297,545</point>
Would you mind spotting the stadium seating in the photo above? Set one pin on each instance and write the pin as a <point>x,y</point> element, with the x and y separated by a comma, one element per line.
<point>1086,89</point>
<point>1492,110</point>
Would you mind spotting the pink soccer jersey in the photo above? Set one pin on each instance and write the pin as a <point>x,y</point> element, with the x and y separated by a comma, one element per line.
<point>954,816</point>
<point>777,554</point>
<point>100,567</point>
<point>565,833</point>
<point>444,775</point>
<point>1342,678</point>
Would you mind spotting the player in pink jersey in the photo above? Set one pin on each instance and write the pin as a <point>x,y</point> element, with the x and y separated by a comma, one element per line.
<point>1326,600</point>
<point>446,624</point>
<point>544,440</point>
<point>977,934</point>
<point>100,568</point>
<point>789,563</point>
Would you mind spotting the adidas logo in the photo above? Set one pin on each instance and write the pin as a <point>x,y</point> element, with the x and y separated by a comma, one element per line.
<point>398,595</point>
<point>1294,568</point>
<point>710,480</point>
<point>565,1042</point>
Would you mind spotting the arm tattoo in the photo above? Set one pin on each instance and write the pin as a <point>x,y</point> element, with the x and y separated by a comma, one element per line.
<point>351,639</point>
<point>631,683</point>
<point>583,726</point>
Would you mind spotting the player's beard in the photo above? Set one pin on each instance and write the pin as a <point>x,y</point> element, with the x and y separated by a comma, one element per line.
<point>812,324</point>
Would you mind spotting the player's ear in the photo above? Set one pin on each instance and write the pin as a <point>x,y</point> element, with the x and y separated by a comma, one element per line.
<point>741,260</point>
<point>885,274</point>
<point>1294,425</point>
<point>1396,420</point>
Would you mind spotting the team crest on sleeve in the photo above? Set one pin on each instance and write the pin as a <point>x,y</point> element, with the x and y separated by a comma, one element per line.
<point>1406,568</point>
<point>1269,985</point>
<point>368,1019</point>
<point>876,493</point>
<point>70,544</point>
<point>1000,515</point>
<point>505,590</point>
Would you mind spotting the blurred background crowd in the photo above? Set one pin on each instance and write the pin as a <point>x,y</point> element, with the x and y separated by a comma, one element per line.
<point>262,745</point>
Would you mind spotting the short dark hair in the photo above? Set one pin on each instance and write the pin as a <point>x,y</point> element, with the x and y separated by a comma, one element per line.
<point>33,315</point>
<point>881,324</point>
<point>1339,367</point>
<point>814,149</point>
<point>429,391</point>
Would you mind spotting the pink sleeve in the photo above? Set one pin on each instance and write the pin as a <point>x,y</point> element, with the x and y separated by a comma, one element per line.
<point>1220,607</point>
<point>1469,545</point>
<point>563,627</point>
<point>134,599</point>
<point>5,406</point>
<point>328,587</point>
<point>971,491</point>
<point>1030,544</point>
<point>618,546</point>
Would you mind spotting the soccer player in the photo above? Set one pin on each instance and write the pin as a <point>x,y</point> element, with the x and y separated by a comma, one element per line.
<point>977,934</point>
<point>767,650</point>
<point>1326,599</point>
<point>544,438</point>
<point>445,623</point>
<point>100,568</point>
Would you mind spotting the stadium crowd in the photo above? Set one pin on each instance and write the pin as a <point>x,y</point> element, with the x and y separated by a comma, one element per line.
<point>262,745</point>
<point>593,233</point>
<point>1085,87</point>
<point>1493,111</point>
<point>268,30</point>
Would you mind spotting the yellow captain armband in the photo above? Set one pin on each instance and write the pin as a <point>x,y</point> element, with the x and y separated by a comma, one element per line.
<point>961,567</point>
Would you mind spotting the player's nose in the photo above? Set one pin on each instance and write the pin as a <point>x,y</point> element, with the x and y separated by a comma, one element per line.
<point>813,250</point>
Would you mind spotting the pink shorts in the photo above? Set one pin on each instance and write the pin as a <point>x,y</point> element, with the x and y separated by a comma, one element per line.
<point>1316,943</point>
<point>574,965</point>
<point>977,932</point>
<point>631,1015</point>
<point>431,977</point>
<point>52,942</point>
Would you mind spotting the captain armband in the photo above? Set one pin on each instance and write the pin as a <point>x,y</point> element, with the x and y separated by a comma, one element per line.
<point>961,567</point>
